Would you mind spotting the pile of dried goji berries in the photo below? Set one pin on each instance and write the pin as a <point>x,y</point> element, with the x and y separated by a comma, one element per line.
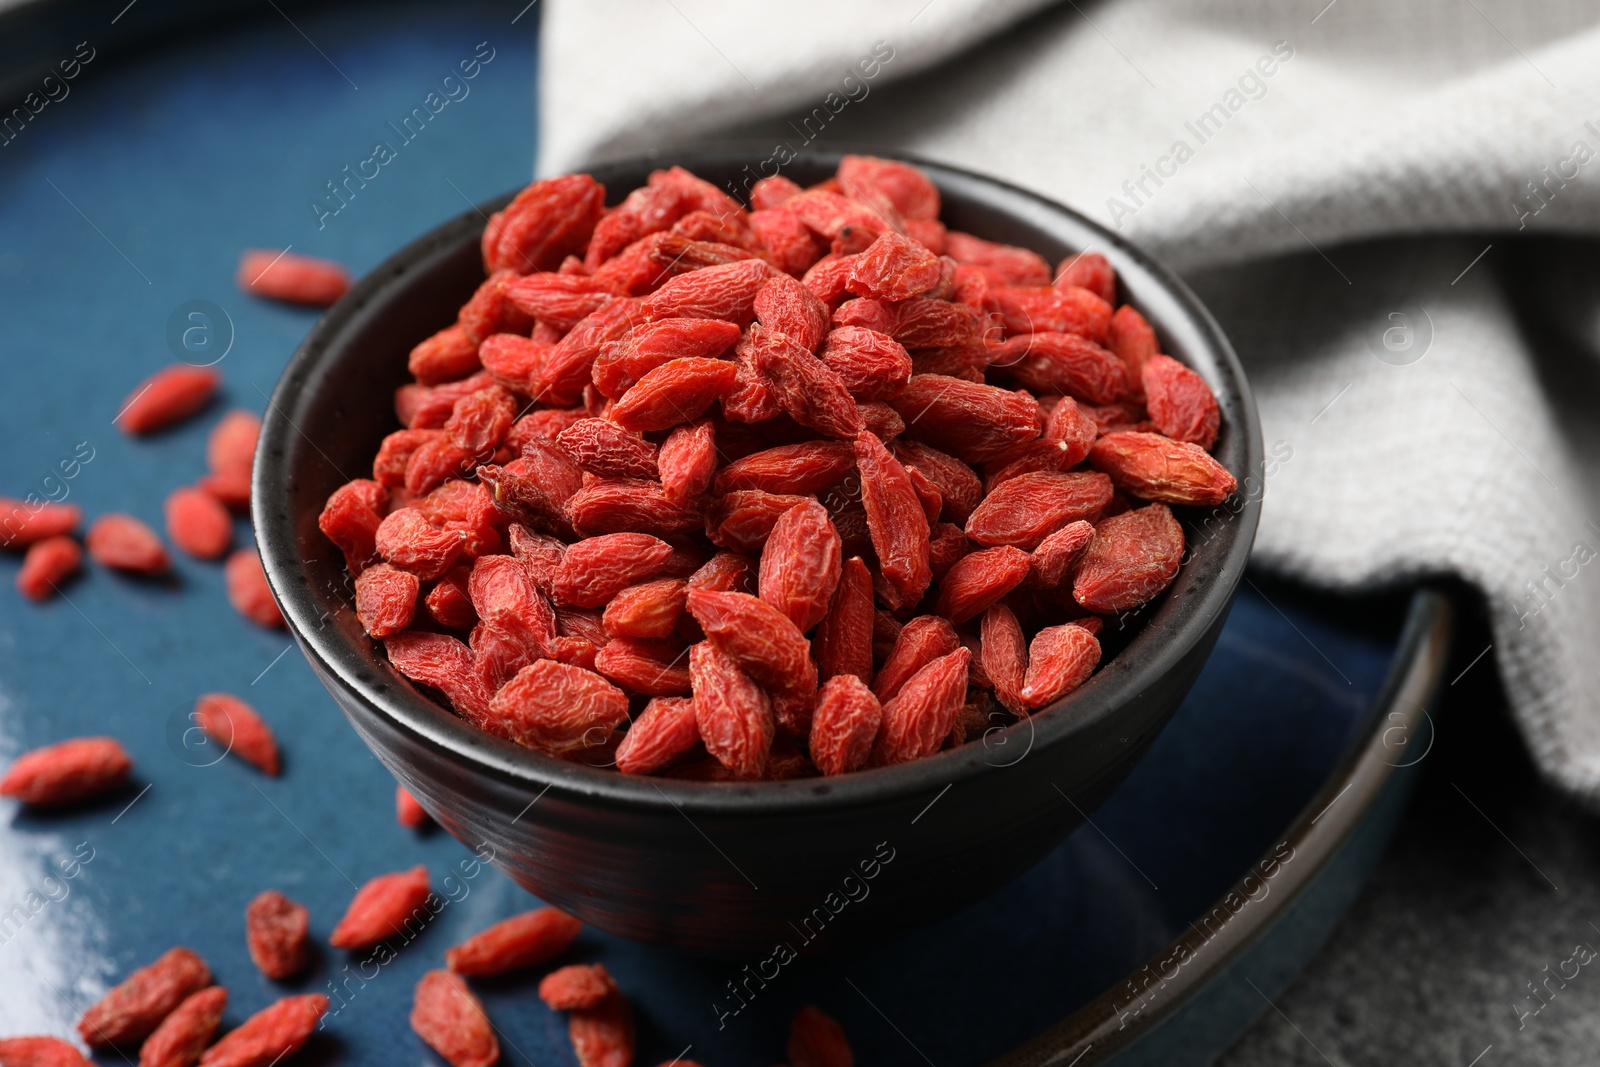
<point>812,486</point>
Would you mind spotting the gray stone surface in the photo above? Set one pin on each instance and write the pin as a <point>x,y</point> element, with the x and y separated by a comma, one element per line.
<point>1491,883</point>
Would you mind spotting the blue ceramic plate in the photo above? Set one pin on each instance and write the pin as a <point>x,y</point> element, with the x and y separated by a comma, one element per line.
<point>1155,932</point>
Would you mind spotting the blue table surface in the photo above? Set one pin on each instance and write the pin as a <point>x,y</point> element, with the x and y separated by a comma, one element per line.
<point>134,196</point>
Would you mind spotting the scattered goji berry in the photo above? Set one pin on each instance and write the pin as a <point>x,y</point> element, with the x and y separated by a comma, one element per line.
<point>526,940</point>
<point>296,279</point>
<point>277,932</point>
<point>274,1032</point>
<point>576,986</point>
<point>603,1036</point>
<point>39,1052</point>
<point>136,1006</point>
<point>167,396</point>
<point>238,729</point>
<point>198,523</point>
<point>67,772</point>
<point>46,565</point>
<point>248,590</point>
<point>123,543</point>
<point>184,1035</point>
<point>22,522</point>
<point>382,908</point>
<point>449,1017</point>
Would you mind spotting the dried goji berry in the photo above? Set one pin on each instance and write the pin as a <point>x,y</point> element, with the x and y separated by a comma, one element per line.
<point>184,1035</point>
<point>576,986</point>
<point>676,392</point>
<point>1091,271</point>
<point>896,520</point>
<point>1004,655</point>
<point>67,772</point>
<point>872,365</point>
<point>168,396</point>
<point>248,590</point>
<point>382,908</point>
<point>651,609</point>
<point>46,565</point>
<point>827,278</point>
<point>844,725</point>
<point>759,638</point>
<point>570,364</point>
<point>533,489</point>
<point>231,447</point>
<point>444,357</point>
<point>1002,264</point>
<point>39,1052</point>
<point>784,306</point>
<point>651,667</point>
<point>386,599</point>
<point>979,579</point>
<point>603,448</point>
<point>296,279</point>
<point>526,940</point>
<point>237,728</point>
<point>1180,402</point>
<point>947,544</point>
<point>277,932</point>
<point>785,241</point>
<point>1132,558</point>
<point>843,640</point>
<point>910,191</point>
<point>618,505</point>
<point>449,1017</point>
<point>959,486</point>
<point>928,493</point>
<point>1045,309</point>
<point>733,713</point>
<point>135,1007</point>
<point>800,564</point>
<point>603,1036</point>
<point>1063,363</point>
<point>24,522</point>
<point>1027,509</point>
<point>505,594</point>
<point>1158,468</point>
<point>893,268</point>
<point>920,642</point>
<point>970,421</point>
<point>816,1040</point>
<point>771,191</point>
<point>555,708</point>
<point>687,461</point>
<point>598,568</point>
<point>726,292</point>
<point>480,420</point>
<point>622,363</point>
<point>269,1035</point>
<point>563,300</point>
<point>1134,342</point>
<point>489,312</point>
<point>1053,562</point>
<point>664,731</point>
<point>513,361</point>
<point>408,811</point>
<point>547,221</point>
<point>198,523</point>
<point>917,719</point>
<point>445,664</point>
<point>725,572</point>
<point>124,543</point>
<point>1060,659</point>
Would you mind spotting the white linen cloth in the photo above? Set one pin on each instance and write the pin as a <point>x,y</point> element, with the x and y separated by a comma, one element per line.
<point>1327,175</point>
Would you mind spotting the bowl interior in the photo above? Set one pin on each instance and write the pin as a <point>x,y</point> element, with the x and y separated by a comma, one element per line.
<point>333,407</point>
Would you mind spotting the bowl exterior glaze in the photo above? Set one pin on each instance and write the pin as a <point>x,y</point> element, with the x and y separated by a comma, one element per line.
<point>754,870</point>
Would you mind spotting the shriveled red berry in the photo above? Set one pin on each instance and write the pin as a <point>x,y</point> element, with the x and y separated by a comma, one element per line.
<point>603,448</point>
<point>135,1007</point>
<point>184,1035</point>
<point>979,579</point>
<point>40,1052</point>
<point>1060,659</point>
<point>293,278</point>
<point>198,523</point>
<point>272,1033</point>
<point>525,940</point>
<point>650,609</point>
<point>800,564</point>
<point>843,641</point>
<point>238,729</point>
<point>449,1017</point>
<point>676,392</point>
<point>733,713</point>
<point>844,724</point>
<point>688,461</point>
<point>1062,363</point>
<point>785,306</point>
<point>1132,558</point>
<point>1027,509</point>
<point>386,599</point>
<point>919,717</point>
<point>1180,402</point>
<point>1002,264</point>
<point>970,421</point>
<point>1091,271</point>
<point>382,908</point>
<point>603,1036</point>
<point>641,665</point>
<point>123,543</point>
<point>576,986</point>
<point>1004,657</point>
<point>46,565</point>
<point>919,642</point>
<point>277,932</point>
<point>909,190</point>
<point>445,664</point>
<point>166,397</point>
<point>24,522</point>
<point>1134,342</point>
<point>444,357</point>
<point>896,521</point>
<point>248,590</point>
<point>408,811</point>
<point>556,708</point>
<point>664,731</point>
<point>549,220</point>
<point>1055,560</point>
<point>596,569</point>
<point>67,772</point>
<point>1160,469</point>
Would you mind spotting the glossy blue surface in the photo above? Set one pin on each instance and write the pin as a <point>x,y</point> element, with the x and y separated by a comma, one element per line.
<point>133,196</point>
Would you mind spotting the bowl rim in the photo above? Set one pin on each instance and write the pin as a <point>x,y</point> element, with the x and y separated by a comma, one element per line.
<point>430,723</point>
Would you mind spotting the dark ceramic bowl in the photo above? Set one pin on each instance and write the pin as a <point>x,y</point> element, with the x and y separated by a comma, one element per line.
<point>760,869</point>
